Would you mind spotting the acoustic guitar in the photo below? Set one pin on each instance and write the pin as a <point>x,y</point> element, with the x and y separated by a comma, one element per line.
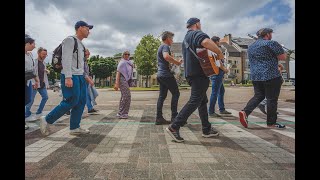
<point>208,61</point>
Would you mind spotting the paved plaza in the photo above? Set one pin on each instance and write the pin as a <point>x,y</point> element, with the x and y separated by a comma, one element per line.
<point>135,148</point>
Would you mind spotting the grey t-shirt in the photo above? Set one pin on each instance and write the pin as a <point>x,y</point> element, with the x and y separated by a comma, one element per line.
<point>163,65</point>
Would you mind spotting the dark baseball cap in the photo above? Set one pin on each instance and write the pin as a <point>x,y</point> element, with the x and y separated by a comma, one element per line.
<point>192,21</point>
<point>262,32</point>
<point>82,23</point>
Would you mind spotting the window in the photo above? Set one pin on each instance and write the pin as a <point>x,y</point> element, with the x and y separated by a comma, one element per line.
<point>229,61</point>
<point>235,62</point>
<point>134,75</point>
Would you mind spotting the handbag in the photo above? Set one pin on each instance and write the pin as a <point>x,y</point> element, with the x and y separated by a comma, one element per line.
<point>131,83</point>
<point>29,74</point>
<point>207,60</point>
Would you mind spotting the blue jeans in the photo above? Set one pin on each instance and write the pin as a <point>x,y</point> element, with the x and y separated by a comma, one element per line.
<point>44,94</point>
<point>27,93</point>
<point>74,98</point>
<point>217,92</point>
<point>88,101</point>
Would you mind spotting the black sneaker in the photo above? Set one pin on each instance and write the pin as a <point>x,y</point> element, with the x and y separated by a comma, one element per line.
<point>211,133</point>
<point>214,115</point>
<point>174,134</point>
<point>161,121</point>
<point>225,112</point>
<point>262,108</point>
<point>277,126</point>
<point>92,111</point>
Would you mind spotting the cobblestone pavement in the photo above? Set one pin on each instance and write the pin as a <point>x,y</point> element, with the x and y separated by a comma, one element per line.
<point>135,148</point>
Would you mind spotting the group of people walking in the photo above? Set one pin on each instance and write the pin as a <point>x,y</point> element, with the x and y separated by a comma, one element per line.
<point>76,82</point>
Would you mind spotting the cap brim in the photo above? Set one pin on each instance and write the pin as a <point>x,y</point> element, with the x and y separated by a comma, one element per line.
<point>90,26</point>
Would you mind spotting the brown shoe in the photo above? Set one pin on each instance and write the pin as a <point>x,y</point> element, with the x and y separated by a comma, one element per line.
<point>161,121</point>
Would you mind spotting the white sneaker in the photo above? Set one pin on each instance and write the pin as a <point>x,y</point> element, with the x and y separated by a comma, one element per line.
<point>31,118</point>
<point>79,131</point>
<point>44,126</point>
<point>38,116</point>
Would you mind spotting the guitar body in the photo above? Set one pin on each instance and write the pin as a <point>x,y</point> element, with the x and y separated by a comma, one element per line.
<point>208,62</point>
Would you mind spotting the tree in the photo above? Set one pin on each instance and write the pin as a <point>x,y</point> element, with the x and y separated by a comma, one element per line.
<point>104,67</point>
<point>117,55</point>
<point>53,75</point>
<point>145,56</point>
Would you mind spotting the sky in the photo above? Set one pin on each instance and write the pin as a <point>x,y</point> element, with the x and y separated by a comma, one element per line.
<point>120,24</point>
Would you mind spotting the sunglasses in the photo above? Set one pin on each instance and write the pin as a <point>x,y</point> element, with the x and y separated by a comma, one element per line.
<point>127,54</point>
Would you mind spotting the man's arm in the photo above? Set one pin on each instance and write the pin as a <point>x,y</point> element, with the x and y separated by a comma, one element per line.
<point>278,50</point>
<point>117,85</point>
<point>170,59</point>
<point>209,44</point>
<point>67,55</point>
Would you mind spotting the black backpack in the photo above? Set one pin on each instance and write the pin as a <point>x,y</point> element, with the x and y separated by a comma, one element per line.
<point>57,56</point>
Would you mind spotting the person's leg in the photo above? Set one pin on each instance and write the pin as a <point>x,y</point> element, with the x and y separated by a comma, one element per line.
<point>44,95</point>
<point>173,88</point>
<point>27,94</point>
<point>127,100</point>
<point>77,110</point>
<point>31,94</point>
<point>259,95</point>
<point>162,96</point>
<point>125,96</point>
<point>70,99</point>
<point>27,99</point>
<point>88,100</point>
<point>272,91</point>
<point>199,85</point>
<point>202,109</point>
<point>214,93</point>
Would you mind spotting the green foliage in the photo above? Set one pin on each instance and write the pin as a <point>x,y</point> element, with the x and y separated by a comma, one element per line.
<point>53,75</point>
<point>117,55</point>
<point>102,67</point>
<point>145,55</point>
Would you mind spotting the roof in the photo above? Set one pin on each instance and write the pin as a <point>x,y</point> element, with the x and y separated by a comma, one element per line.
<point>242,41</point>
<point>229,48</point>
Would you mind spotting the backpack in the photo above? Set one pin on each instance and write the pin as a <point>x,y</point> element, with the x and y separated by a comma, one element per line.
<point>57,56</point>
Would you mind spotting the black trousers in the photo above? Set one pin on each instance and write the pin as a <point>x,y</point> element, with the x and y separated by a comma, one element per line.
<point>198,99</point>
<point>168,83</point>
<point>269,89</point>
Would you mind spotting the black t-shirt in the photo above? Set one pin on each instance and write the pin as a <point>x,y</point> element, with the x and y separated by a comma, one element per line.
<point>163,65</point>
<point>41,68</point>
<point>191,63</point>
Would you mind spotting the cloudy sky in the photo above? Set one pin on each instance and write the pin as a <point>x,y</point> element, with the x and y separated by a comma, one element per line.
<point>120,24</point>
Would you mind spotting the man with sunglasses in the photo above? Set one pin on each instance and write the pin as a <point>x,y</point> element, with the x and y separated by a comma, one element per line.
<point>73,83</point>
